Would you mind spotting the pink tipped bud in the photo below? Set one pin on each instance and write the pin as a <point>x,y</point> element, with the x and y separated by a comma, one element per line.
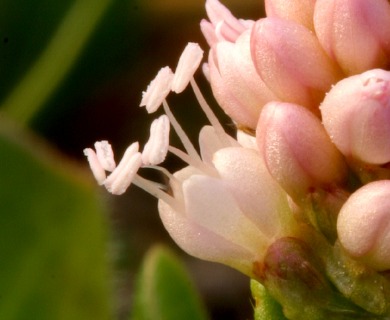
<point>157,90</point>
<point>188,63</point>
<point>363,224</point>
<point>235,82</point>
<point>290,60</point>
<point>96,167</point>
<point>356,115</point>
<point>156,148</point>
<point>297,150</point>
<point>355,33</point>
<point>105,155</point>
<point>300,11</point>
<point>225,25</point>
<point>120,179</point>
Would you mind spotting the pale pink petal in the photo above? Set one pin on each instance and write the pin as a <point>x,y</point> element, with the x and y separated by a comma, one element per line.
<point>105,155</point>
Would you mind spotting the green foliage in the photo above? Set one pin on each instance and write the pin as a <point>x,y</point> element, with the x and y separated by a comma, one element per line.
<point>266,308</point>
<point>53,236</point>
<point>165,291</point>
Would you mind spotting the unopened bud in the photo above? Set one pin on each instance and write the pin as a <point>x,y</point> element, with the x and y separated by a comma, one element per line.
<point>356,115</point>
<point>363,224</point>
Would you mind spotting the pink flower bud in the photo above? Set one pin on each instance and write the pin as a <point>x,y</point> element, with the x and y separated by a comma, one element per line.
<point>355,33</point>
<point>290,60</point>
<point>223,26</point>
<point>363,224</point>
<point>356,115</point>
<point>300,11</point>
<point>297,150</point>
<point>234,80</point>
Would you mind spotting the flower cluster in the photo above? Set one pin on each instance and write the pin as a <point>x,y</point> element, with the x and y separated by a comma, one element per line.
<point>300,199</point>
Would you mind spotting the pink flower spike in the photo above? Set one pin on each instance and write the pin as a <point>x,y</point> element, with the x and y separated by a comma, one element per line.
<point>157,90</point>
<point>156,148</point>
<point>105,155</point>
<point>95,165</point>
<point>188,63</point>
<point>120,179</point>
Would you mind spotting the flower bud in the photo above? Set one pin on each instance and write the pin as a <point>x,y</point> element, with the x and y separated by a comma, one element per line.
<point>290,60</point>
<point>297,150</point>
<point>232,69</point>
<point>356,115</point>
<point>363,224</point>
<point>294,276</point>
<point>355,33</point>
<point>300,11</point>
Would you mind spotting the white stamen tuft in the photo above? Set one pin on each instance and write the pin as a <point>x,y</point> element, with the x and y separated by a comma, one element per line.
<point>156,148</point>
<point>95,165</point>
<point>188,63</point>
<point>157,90</point>
<point>120,179</point>
<point>105,155</point>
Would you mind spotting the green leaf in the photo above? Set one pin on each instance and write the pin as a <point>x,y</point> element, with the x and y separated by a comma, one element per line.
<point>53,235</point>
<point>165,291</point>
<point>266,308</point>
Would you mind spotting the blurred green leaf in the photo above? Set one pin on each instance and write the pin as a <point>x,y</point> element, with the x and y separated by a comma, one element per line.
<point>53,235</point>
<point>266,308</point>
<point>55,61</point>
<point>165,291</point>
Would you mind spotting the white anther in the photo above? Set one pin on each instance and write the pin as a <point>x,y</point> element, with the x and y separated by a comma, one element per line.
<point>157,90</point>
<point>156,148</point>
<point>188,63</point>
<point>96,167</point>
<point>120,179</point>
<point>105,155</point>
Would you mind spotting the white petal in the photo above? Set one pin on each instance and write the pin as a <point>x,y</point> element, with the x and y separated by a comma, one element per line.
<point>259,197</point>
<point>203,243</point>
<point>211,205</point>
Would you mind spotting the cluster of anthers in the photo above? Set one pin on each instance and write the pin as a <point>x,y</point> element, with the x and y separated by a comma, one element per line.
<point>154,153</point>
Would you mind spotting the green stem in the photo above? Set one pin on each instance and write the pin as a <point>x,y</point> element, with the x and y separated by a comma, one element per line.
<point>56,60</point>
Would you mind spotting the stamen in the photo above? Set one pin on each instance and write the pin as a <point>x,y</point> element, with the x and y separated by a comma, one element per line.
<point>95,165</point>
<point>151,188</point>
<point>188,63</point>
<point>210,114</point>
<point>181,134</point>
<point>157,90</point>
<point>120,179</point>
<point>105,155</point>
<point>198,164</point>
<point>156,148</point>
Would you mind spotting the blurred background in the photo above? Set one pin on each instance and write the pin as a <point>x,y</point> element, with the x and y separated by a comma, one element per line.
<point>97,98</point>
